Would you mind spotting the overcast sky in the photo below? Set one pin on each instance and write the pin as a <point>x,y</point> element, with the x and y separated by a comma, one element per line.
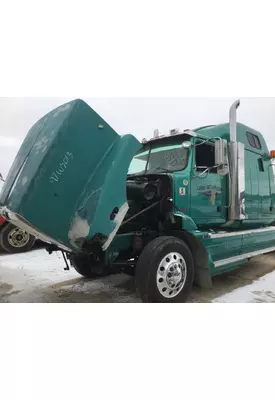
<point>139,116</point>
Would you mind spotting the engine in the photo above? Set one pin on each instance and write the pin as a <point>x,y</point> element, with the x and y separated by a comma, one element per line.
<point>143,192</point>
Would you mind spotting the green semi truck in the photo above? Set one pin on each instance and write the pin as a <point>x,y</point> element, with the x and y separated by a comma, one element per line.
<point>172,211</point>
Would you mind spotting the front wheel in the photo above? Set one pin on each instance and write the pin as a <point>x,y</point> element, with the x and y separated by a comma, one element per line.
<point>15,240</point>
<point>165,271</point>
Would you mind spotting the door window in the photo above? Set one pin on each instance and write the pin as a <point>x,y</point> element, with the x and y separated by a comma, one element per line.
<point>205,157</point>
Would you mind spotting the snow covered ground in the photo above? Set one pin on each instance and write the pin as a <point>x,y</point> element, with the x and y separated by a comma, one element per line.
<point>39,277</point>
<point>260,291</point>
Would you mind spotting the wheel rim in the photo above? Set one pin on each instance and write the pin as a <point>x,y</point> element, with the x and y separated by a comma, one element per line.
<point>18,238</point>
<point>171,275</point>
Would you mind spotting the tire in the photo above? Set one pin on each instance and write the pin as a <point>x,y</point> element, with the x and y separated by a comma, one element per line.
<point>86,266</point>
<point>15,240</point>
<point>153,277</point>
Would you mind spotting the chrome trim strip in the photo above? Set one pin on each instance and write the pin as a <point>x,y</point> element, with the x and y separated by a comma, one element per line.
<point>239,233</point>
<point>241,257</point>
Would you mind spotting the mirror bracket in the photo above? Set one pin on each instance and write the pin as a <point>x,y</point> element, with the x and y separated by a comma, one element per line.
<point>221,157</point>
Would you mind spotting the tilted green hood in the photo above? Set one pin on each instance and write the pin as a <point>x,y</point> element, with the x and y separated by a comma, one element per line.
<point>68,180</point>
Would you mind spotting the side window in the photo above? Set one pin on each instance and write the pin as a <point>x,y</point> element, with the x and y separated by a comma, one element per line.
<point>205,157</point>
<point>253,140</point>
<point>261,164</point>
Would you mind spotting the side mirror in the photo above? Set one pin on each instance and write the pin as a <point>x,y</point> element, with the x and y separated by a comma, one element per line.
<point>221,157</point>
<point>186,145</point>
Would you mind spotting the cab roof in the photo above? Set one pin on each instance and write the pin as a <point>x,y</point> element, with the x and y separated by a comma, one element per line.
<point>244,133</point>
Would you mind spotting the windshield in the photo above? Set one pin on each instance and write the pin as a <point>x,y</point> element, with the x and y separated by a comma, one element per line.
<point>159,158</point>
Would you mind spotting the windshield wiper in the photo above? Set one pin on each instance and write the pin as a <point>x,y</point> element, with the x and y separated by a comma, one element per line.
<point>136,174</point>
<point>160,169</point>
<point>149,155</point>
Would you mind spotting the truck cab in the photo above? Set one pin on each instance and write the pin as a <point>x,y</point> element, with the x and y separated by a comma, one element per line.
<point>171,210</point>
<point>200,187</point>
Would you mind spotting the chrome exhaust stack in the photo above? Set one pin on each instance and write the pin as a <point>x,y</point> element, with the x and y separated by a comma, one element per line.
<point>236,163</point>
<point>233,120</point>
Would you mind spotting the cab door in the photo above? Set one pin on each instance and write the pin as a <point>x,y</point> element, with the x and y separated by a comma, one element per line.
<point>208,188</point>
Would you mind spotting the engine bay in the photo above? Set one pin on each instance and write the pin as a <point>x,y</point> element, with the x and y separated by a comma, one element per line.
<point>149,202</point>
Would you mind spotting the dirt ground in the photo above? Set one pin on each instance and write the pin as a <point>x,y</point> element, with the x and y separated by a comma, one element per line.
<point>37,277</point>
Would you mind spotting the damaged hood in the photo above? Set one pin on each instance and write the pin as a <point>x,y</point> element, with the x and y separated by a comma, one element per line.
<point>67,184</point>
